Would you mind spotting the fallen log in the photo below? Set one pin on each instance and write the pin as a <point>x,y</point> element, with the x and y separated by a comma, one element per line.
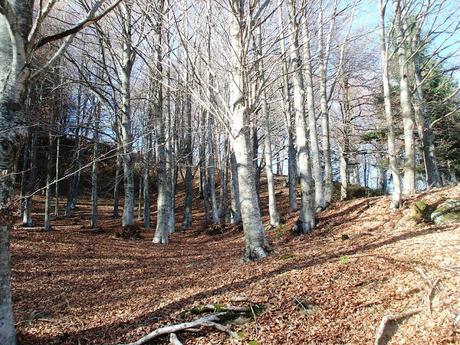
<point>205,321</point>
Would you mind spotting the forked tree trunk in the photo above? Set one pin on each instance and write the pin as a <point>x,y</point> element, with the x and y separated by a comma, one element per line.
<point>306,215</point>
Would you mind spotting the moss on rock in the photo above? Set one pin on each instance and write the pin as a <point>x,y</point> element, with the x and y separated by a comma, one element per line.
<point>447,212</point>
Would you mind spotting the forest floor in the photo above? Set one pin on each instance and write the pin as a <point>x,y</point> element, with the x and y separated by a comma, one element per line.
<point>334,286</point>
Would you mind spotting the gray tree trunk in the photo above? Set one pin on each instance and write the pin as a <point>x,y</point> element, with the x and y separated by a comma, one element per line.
<point>163,227</point>
<point>147,154</point>
<point>256,244</point>
<point>14,74</point>
<point>306,215</point>
<point>392,154</point>
<point>94,170</point>
<point>27,214</point>
<point>49,168</point>
<point>432,176</point>
<point>406,106</point>
<point>287,109</point>
<point>273,212</point>
<point>312,128</point>
<point>188,163</point>
<point>127,61</point>
<point>56,175</point>
<point>236,208</point>
<point>116,188</point>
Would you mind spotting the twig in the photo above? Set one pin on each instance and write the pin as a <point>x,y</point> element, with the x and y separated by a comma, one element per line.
<point>431,285</point>
<point>392,317</point>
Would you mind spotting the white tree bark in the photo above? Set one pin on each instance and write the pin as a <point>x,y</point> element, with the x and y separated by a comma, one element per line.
<point>432,176</point>
<point>405,99</point>
<point>306,215</point>
<point>256,243</point>
<point>392,153</point>
<point>164,223</point>
<point>312,128</point>
<point>273,212</point>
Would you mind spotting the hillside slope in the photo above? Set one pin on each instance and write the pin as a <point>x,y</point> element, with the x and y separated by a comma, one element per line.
<point>333,286</point>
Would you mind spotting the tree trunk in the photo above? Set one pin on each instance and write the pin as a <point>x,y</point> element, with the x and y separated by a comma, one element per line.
<point>188,162</point>
<point>147,154</point>
<point>125,124</point>
<point>273,212</point>
<point>116,188</point>
<point>292,168</point>
<point>306,215</point>
<point>163,177</point>
<point>223,213</point>
<point>14,74</point>
<point>256,243</point>
<point>312,128</point>
<point>392,154</point>
<point>49,168</point>
<point>27,215</point>
<point>236,208</point>
<point>56,176</point>
<point>432,176</point>
<point>406,106</point>
<point>94,171</point>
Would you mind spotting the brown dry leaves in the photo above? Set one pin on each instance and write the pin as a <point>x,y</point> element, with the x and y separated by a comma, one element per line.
<point>75,287</point>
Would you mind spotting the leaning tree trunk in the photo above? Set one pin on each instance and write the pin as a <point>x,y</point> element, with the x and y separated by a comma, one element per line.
<point>256,243</point>
<point>306,215</point>
<point>406,105</point>
<point>392,154</point>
